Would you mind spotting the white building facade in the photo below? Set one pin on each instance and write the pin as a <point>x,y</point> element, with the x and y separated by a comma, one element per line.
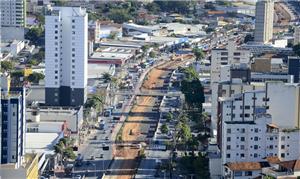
<point>264,21</point>
<point>66,32</point>
<point>13,13</point>
<point>221,58</point>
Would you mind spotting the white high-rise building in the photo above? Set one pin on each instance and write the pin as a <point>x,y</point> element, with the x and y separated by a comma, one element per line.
<point>219,59</point>
<point>13,13</point>
<point>297,35</point>
<point>66,56</point>
<point>250,134</point>
<point>264,21</point>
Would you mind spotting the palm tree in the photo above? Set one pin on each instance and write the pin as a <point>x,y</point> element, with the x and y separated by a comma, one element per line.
<point>107,77</point>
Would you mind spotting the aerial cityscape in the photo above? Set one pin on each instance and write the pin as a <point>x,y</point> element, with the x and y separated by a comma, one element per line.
<point>146,89</point>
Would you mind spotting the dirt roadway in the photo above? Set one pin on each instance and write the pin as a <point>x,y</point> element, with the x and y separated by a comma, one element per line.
<point>134,128</point>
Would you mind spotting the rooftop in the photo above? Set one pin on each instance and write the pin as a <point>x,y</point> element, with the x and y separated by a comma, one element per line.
<point>247,166</point>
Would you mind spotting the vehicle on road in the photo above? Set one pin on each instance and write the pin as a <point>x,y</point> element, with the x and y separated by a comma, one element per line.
<point>102,125</point>
<point>106,138</point>
<point>116,118</point>
<point>79,160</point>
<point>92,157</point>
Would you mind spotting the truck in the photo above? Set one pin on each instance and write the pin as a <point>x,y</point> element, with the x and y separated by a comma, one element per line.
<point>102,125</point>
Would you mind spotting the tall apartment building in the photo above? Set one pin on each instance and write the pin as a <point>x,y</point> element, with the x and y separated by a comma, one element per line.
<point>294,68</point>
<point>296,35</point>
<point>220,58</point>
<point>66,56</point>
<point>264,21</point>
<point>249,134</point>
<point>12,125</point>
<point>13,13</point>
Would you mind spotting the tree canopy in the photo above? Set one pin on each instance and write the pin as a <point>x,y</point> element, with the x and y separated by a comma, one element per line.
<point>296,49</point>
<point>198,53</point>
<point>119,15</point>
<point>35,77</point>
<point>36,35</point>
<point>7,65</point>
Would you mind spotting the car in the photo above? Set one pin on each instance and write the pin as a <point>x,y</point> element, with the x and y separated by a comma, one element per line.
<point>101,155</point>
<point>92,157</point>
<point>106,138</point>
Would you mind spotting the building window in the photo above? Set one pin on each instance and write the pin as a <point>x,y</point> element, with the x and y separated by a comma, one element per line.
<point>56,26</point>
<point>255,147</point>
<point>56,32</point>
<point>256,130</point>
<point>73,66</point>
<point>242,155</point>
<point>55,54</point>
<point>227,155</point>
<point>243,130</point>
<point>247,107</point>
<point>228,139</point>
<point>73,61</point>
<point>73,49</point>
<point>242,139</point>
<point>73,77</point>
<point>55,71</point>
<point>73,72</point>
<point>73,26</point>
<point>242,147</point>
<point>228,131</point>
<point>238,174</point>
<point>282,146</point>
<point>282,155</point>
<point>248,173</point>
<point>55,37</point>
<point>255,138</point>
<point>255,155</point>
<point>73,55</point>
<point>247,115</point>
<point>228,147</point>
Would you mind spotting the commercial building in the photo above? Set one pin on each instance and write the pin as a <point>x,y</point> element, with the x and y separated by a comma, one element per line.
<point>12,125</point>
<point>13,13</point>
<point>264,21</point>
<point>66,56</point>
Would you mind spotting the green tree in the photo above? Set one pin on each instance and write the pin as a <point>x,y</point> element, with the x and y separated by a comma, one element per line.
<point>199,54</point>
<point>36,35</point>
<point>40,17</point>
<point>164,129</point>
<point>7,65</point>
<point>96,102</point>
<point>33,62</point>
<point>35,77</point>
<point>169,116</point>
<point>64,148</point>
<point>119,15</point>
<point>183,132</point>
<point>151,54</point>
<point>152,8</point>
<point>107,77</point>
<point>40,56</point>
<point>296,49</point>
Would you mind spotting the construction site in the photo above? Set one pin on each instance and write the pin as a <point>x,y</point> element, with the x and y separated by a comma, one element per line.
<point>142,120</point>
